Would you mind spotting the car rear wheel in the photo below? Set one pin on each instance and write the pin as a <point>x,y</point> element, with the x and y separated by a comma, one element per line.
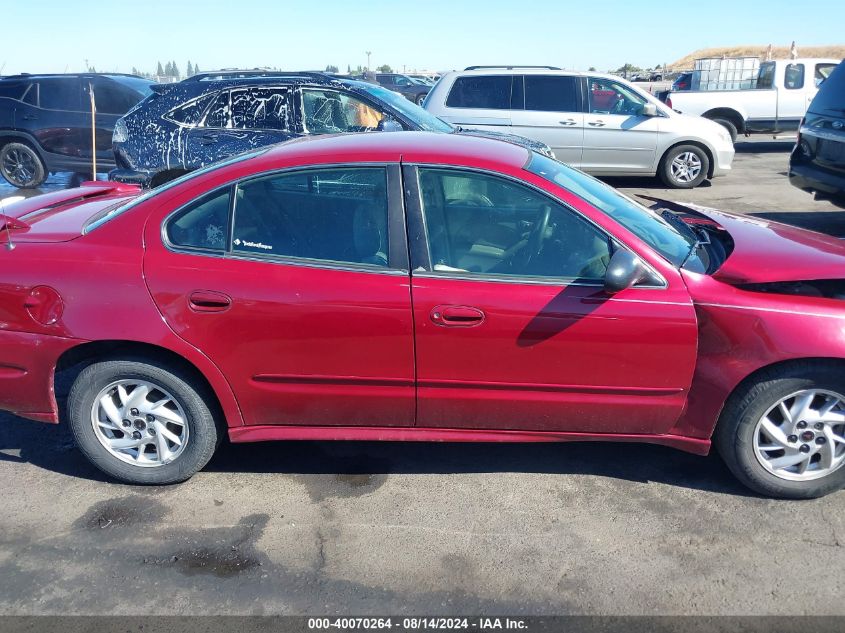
<point>684,167</point>
<point>141,422</point>
<point>784,435</point>
<point>21,166</point>
<point>421,99</point>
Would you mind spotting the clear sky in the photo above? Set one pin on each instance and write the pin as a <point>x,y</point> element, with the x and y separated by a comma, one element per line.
<point>59,35</point>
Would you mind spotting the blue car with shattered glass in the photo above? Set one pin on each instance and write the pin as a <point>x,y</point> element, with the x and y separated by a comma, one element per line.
<point>212,116</point>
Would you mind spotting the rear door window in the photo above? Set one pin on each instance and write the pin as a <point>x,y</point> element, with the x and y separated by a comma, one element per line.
<point>258,108</point>
<point>60,93</point>
<point>551,93</point>
<point>489,92</point>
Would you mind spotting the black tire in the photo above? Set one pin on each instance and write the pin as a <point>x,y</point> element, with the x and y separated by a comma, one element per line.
<point>421,99</point>
<point>21,166</point>
<point>665,169</point>
<point>735,431</point>
<point>203,432</point>
<point>729,126</point>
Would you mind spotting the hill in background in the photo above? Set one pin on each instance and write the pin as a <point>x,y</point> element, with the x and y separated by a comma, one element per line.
<point>778,52</point>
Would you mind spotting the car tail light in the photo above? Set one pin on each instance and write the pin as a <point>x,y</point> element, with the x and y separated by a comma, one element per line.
<point>669,102</point>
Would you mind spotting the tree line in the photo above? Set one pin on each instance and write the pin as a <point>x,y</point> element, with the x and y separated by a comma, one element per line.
<point>170,70</point>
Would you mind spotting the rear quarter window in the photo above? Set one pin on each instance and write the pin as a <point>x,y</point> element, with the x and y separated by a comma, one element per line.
<point>831,96</point>
<point>491,92</point>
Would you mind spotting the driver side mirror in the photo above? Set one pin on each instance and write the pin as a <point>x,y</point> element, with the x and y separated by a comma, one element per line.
<point>649,109</point>
<point>389,124</point>
<point>624,271</point>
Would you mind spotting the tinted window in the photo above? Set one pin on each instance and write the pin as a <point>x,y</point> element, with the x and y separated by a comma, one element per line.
<point>490,92</point>
<point>609,97</point>
<point>203,224</point>
<point>12,90</point>
<point>61,94</point>
<point>483,224</point>
<point>831,96</point>
<point>330,112</point>
<point>218,114</point>
<point>113,98</point>
<point>189,113</point>
<point>551,94</point>
<point>260,109</point>
<point>793,78</point>
<point>766,76</point>
<point>335,215</point>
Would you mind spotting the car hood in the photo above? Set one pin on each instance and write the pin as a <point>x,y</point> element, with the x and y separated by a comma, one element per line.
<point>766,251</point>
<point>515,139</point>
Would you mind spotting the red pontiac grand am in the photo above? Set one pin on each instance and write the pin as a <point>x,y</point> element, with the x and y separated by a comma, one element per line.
<point>420,287</point>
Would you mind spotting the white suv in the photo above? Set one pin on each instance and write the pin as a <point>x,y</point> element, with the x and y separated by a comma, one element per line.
<point>598,123</point>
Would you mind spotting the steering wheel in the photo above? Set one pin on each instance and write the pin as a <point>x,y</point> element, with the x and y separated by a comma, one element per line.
<point>472,200</point>
<point>535,238</point>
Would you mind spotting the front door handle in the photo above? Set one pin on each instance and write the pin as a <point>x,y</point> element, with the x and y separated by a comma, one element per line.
<point>457,316</point>
<point>30,117</point>
<point>209,301</point>
<point>568,122</point>
<point>598,123</point>
<point>208,139</point>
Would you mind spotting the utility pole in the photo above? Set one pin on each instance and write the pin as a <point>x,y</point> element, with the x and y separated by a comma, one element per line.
<point>368,60</point>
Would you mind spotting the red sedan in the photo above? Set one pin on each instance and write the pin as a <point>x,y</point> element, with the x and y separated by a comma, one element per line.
<point>420,287</point>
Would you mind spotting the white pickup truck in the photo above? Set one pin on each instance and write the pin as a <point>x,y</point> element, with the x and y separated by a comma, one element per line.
<point>783,92</point>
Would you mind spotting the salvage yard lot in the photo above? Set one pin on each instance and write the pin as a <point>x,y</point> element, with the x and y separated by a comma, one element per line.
<point>366,528</point>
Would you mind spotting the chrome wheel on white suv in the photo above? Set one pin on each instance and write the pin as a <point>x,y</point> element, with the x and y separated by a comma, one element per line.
<point>684,167</point>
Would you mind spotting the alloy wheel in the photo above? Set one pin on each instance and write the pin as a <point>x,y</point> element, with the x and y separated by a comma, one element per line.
<point>802,437</point>
<point>19,167</point>
<point>140,423</point>
<point>686,167</point>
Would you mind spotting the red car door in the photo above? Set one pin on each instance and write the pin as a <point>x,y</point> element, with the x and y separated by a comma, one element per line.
<point>294,286</point>
<point>513,328</point>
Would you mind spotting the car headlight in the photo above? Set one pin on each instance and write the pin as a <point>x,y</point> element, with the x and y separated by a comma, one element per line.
<point>121,132</point>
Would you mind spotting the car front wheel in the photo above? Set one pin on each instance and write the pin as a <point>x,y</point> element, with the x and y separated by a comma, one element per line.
<point>784,435</point>
<point>21,166</point>
<point>684,167</point>
<point>142,422</point>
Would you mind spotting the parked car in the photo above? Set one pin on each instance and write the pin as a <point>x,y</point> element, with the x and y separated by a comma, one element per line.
<point>420,286</point>
<point>784,90</point>
<point>410,88</point>
<point>656,76</point>
<point>598,123</point>
<point>682,82</point>
<point>209,117</point>
<point>45,122</point>
<point>817,163</point>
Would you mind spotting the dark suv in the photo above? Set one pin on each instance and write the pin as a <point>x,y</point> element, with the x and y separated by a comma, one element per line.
<point>45,122</point>
<point>817,163</point>
<point>209,117</point>
<point>412,89</point>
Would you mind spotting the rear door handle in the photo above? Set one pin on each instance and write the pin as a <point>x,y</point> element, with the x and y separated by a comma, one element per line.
<point>208,139</point>
<point>30,117</point>
<point>457,316</point>
<point>209,301</point>
<point>568,122</point>
<point>598,123</point>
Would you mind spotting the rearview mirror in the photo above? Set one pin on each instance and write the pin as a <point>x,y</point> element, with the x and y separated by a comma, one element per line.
<point>624,271</point>
<point>649,109</point>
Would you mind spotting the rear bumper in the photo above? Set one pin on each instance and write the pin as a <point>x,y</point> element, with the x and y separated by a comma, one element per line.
<point>814,180</point>
<point>27,365</point>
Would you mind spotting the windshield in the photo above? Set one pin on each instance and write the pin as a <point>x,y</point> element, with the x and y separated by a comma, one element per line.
<point>421,118</point>
<point>673,244</point>
<point>141,86</point>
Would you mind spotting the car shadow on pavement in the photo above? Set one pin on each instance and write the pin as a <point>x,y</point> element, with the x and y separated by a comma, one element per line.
<point>764,147</point>
<point>52,448</point>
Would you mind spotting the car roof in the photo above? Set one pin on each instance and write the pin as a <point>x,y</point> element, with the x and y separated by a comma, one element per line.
<point>28,76</point>
<point>530,70</point>
<point>428,147</point>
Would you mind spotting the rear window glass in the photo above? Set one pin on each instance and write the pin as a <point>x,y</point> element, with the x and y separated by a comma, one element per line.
<point>831,96</point>
<point>60,94</point>
<point>550,93</point>
<point>486,92</point>
<point>11,90</point>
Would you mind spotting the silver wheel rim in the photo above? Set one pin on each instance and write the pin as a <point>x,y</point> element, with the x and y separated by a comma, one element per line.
<point>802,437</point>
<point>140,423</point>
<point>686,167</point>
<point>19,166</point>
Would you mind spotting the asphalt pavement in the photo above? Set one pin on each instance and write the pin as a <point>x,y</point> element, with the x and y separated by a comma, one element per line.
<point>366,528</point>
